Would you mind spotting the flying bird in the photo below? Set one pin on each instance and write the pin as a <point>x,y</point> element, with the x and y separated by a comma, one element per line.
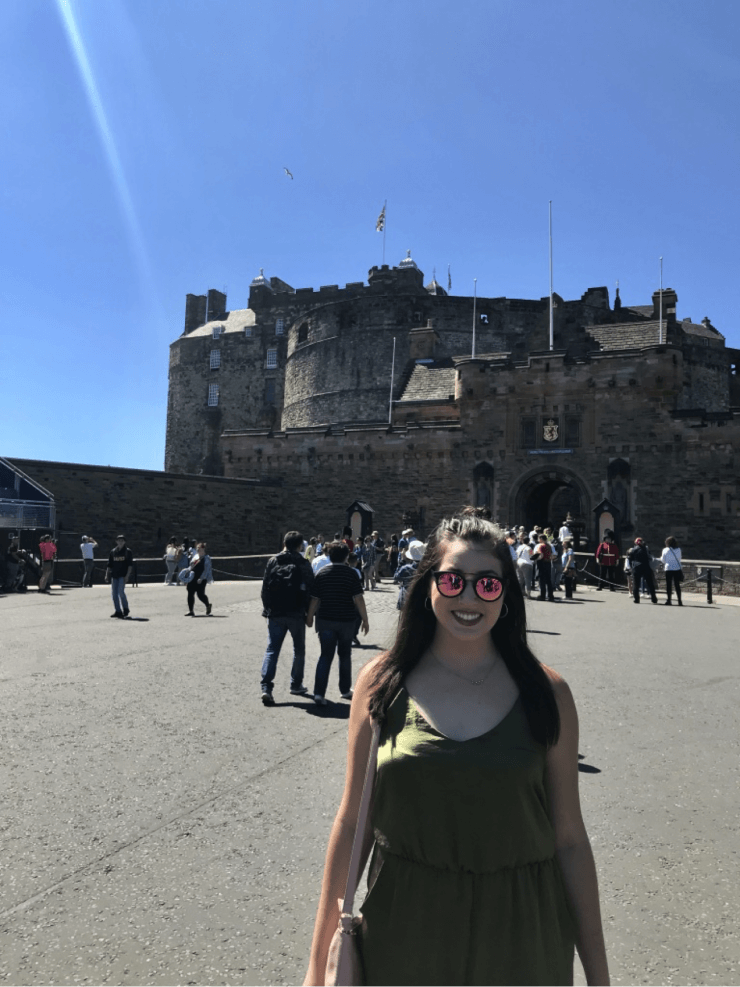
<point>287,173</point>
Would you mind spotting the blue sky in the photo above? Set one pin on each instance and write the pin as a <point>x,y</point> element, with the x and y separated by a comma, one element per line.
<point>143,152</point>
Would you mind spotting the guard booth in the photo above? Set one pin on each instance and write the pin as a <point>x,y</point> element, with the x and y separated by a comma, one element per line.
<point>25,507</point>
<point>360,519</point>
<point>608,517</point>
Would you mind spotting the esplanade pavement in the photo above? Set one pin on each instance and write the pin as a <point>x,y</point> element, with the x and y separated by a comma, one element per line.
<point>160,826</point>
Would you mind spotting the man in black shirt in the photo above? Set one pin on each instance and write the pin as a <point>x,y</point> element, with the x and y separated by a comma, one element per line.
<point>286,589</point>
<point>338,596</point>
<point>120,564</point>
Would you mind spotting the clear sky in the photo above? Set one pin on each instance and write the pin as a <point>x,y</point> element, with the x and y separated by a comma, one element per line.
<point>144,143</point>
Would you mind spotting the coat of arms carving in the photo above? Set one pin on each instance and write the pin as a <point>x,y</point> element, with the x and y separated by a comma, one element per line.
<point>550,431</point>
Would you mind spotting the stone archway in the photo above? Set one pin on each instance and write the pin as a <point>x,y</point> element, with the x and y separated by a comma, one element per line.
<point>545,496</point>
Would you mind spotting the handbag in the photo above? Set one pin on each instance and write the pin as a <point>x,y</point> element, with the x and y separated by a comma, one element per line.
<point>343,964</point>
<point>185,576</point>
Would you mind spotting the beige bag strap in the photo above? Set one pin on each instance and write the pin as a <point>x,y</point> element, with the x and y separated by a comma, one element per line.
<point>353,875</point>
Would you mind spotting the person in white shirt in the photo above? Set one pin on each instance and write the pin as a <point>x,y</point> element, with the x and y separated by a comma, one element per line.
<point>524,565</point>
<point>671,559</point>
<point>564,532</point>
<point>88,559</point>
<point>320,560</point>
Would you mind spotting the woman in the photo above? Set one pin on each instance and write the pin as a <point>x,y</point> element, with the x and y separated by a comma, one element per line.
<point>671,559</point>
<point>542,557</point>
<point>310,553</point>
<point>200,566</point>
<point>524,565</point>
<point>482,871</point>
<point>171,558</point>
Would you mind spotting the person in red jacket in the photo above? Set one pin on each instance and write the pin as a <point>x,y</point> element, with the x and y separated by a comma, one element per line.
<point>607,555</point>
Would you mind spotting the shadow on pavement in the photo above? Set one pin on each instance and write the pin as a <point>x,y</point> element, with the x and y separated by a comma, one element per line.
<point>588,769</point>
<point>551,633</point>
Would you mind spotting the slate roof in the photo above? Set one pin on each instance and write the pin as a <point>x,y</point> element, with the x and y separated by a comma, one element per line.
<point>698,330</point>
<point>234,322</point>
<point>626,335</point>
<point>430,382</point>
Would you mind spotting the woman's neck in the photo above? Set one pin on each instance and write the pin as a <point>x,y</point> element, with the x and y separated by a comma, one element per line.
<point>452,651</point>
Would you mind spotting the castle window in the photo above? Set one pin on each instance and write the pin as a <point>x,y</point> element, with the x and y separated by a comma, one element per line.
<point>303,333</point>
<point>212,395</point>
<point>215,359</point>
<point>269,392</point>
<point>248,332</point>
<point>217,330</point>
<point>271,359</point>
<point>529,433</point>
<point>417,318</point>
<point>484,318</point>
<point>279,327</point>
<point>572,432</point>
<point>701,503</point>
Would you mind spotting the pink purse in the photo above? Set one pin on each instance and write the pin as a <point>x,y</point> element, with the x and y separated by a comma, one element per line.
<point>343,966</point>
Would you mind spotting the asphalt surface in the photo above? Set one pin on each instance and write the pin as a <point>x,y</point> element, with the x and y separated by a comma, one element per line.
<point>160,826</point>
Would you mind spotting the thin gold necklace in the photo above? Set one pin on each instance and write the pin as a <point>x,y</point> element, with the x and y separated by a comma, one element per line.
<point>464,677</point>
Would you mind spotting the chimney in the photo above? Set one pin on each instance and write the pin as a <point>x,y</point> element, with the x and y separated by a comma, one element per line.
<point>216,305</point>
<point>670,300</point>
<point>195,312</point>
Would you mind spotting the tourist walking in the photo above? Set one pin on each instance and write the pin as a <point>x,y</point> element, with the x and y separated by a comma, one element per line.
<point>321,559</point>
<point>87,548</point>
<point>286,590</point>
<point>391,554</point>
<point>336,599</point>
<point>172,558</point>
<point>202,574</point>
<point>379,546</point>
<point>120,565</point>
<point>671,559</point>
<point>481,871</point>
<point>369,559</point>
<point>409,563</point>
<point>542,558</point>
<point>568,561</point>
<point>607,557</point>
<point>48,553</point>
<point>641,566</point>
<point>524,565</point>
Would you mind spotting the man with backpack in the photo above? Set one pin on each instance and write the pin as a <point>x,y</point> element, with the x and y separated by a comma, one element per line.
<point>286,590</point>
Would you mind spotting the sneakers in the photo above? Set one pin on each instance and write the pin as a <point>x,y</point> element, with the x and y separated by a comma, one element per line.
<point>319,700</point>
<point>189,614</point>
<point>347,695</point>
<point>300,691</point>
<point>209,607</point>
<point>267,699</point>
<point>117,614</point>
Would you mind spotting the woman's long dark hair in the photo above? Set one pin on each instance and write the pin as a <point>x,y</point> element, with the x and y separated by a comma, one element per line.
<point>417,625</point>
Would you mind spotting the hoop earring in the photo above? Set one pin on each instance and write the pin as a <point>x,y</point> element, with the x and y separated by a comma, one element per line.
<point>504,611</point>
<point>428,600</point>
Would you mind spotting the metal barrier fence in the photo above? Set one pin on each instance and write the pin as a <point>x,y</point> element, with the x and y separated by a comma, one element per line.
<point>700,575</point>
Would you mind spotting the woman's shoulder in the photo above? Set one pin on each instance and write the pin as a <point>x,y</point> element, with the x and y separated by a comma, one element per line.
<point>559,685</point>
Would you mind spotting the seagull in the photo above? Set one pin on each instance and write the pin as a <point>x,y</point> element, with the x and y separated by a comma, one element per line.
<point>287,173</point>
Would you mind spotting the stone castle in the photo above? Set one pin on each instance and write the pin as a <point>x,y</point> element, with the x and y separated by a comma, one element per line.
<point>397,397</point>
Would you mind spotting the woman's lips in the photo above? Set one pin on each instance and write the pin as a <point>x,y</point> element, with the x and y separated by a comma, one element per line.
<point>466,618</point>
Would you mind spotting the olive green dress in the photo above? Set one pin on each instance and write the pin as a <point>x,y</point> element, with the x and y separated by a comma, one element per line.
<point>464,884</point>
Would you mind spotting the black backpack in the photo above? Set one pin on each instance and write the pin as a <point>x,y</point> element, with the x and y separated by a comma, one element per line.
<point>286,586</point>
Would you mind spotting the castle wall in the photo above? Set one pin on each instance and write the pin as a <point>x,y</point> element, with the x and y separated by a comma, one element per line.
<point>234,516</point>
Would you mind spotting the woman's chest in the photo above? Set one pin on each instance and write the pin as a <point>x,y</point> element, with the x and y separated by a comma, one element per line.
<point>459,710</point>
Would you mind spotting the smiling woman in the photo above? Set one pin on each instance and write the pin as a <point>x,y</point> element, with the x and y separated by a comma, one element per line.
<point>481,871</point>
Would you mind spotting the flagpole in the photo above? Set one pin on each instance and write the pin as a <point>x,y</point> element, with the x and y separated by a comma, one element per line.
<point>552,333</point>
<point>393,371</point>
<point>385,223</point>
<point>475,299</point>
<point>660,318</point>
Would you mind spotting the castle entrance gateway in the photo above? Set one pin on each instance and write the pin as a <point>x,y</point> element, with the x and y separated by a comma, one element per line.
<point>546,497</point>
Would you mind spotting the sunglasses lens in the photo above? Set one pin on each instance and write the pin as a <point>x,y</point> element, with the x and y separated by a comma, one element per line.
<point>449,583</point>
<point>489,588</point>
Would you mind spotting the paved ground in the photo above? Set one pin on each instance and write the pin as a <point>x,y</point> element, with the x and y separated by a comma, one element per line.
<point>160,826</point>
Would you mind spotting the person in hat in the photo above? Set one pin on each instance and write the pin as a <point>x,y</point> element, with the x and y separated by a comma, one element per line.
<point>87,548</point>
<point>120,565</point>
<point>475,818</point>
<point>407,535</point>
<point>406,571</point>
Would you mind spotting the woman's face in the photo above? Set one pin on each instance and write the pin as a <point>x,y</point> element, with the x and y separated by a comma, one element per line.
<point>466,617</point>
